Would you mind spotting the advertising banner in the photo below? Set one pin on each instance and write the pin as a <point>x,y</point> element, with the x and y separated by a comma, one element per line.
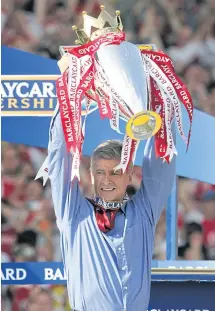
<point>168,293</point>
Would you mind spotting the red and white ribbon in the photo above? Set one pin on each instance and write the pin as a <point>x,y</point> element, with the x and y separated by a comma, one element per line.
<point>126,154</point>
<point>102,98</point>
<point>167,90</point>
<point>67,112</point>
<point>108,89</point>
<point>114,121</point>
<point>168,109</point>
<point>157,104</point>
<point>73,85</point>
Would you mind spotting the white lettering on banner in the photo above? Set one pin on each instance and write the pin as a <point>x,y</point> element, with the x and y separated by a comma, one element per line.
<point>26,89</point>
<point>21,86</point>
<point>51,274</point>
<point>7,86</point>
<point>17,274</point>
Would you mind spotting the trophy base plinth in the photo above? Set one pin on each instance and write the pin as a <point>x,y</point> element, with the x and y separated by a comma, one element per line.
<point>143,125</point>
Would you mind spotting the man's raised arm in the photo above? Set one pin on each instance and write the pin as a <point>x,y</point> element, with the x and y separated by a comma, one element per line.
<point>65,194</point>
<point>157,182</point>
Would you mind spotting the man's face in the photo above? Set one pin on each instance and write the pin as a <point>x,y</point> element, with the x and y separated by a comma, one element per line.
<point>110,185</point>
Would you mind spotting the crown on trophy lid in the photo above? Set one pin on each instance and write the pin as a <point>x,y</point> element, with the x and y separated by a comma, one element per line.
<point>86,34</point>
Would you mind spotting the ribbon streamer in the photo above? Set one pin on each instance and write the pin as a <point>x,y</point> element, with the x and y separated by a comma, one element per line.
<point>167,90</point>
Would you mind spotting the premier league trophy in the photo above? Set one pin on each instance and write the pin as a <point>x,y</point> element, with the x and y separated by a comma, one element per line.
<point>137,84</point>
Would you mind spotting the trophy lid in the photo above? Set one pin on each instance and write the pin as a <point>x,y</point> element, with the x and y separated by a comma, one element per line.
<point>104,23</point>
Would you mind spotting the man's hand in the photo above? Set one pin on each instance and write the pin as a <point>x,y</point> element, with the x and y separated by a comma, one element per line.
<point>63,63</point>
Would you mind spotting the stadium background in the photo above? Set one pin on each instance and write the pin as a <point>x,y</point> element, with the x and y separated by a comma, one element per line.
<point>183,29</point>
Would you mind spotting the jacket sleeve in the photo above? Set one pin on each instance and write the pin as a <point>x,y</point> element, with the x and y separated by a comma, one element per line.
<point>156,185</point>
<point>66,195</point>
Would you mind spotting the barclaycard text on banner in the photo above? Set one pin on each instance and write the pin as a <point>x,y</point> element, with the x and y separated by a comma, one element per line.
<point>30,95</point>
<point>53,272</point>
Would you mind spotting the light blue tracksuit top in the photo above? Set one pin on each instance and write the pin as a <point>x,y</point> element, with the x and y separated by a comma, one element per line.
<point>107,271</point>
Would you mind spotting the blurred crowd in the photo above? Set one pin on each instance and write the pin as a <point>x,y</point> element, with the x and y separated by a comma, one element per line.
<point>183,29</point>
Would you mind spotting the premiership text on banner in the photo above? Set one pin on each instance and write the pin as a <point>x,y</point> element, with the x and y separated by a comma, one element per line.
<point>30,95</point>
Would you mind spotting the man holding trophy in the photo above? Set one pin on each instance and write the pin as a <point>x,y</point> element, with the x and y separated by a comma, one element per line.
<point>107,242</point>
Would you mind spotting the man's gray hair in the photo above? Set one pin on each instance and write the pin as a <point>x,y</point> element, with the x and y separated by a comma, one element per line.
<point>108,150</point>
